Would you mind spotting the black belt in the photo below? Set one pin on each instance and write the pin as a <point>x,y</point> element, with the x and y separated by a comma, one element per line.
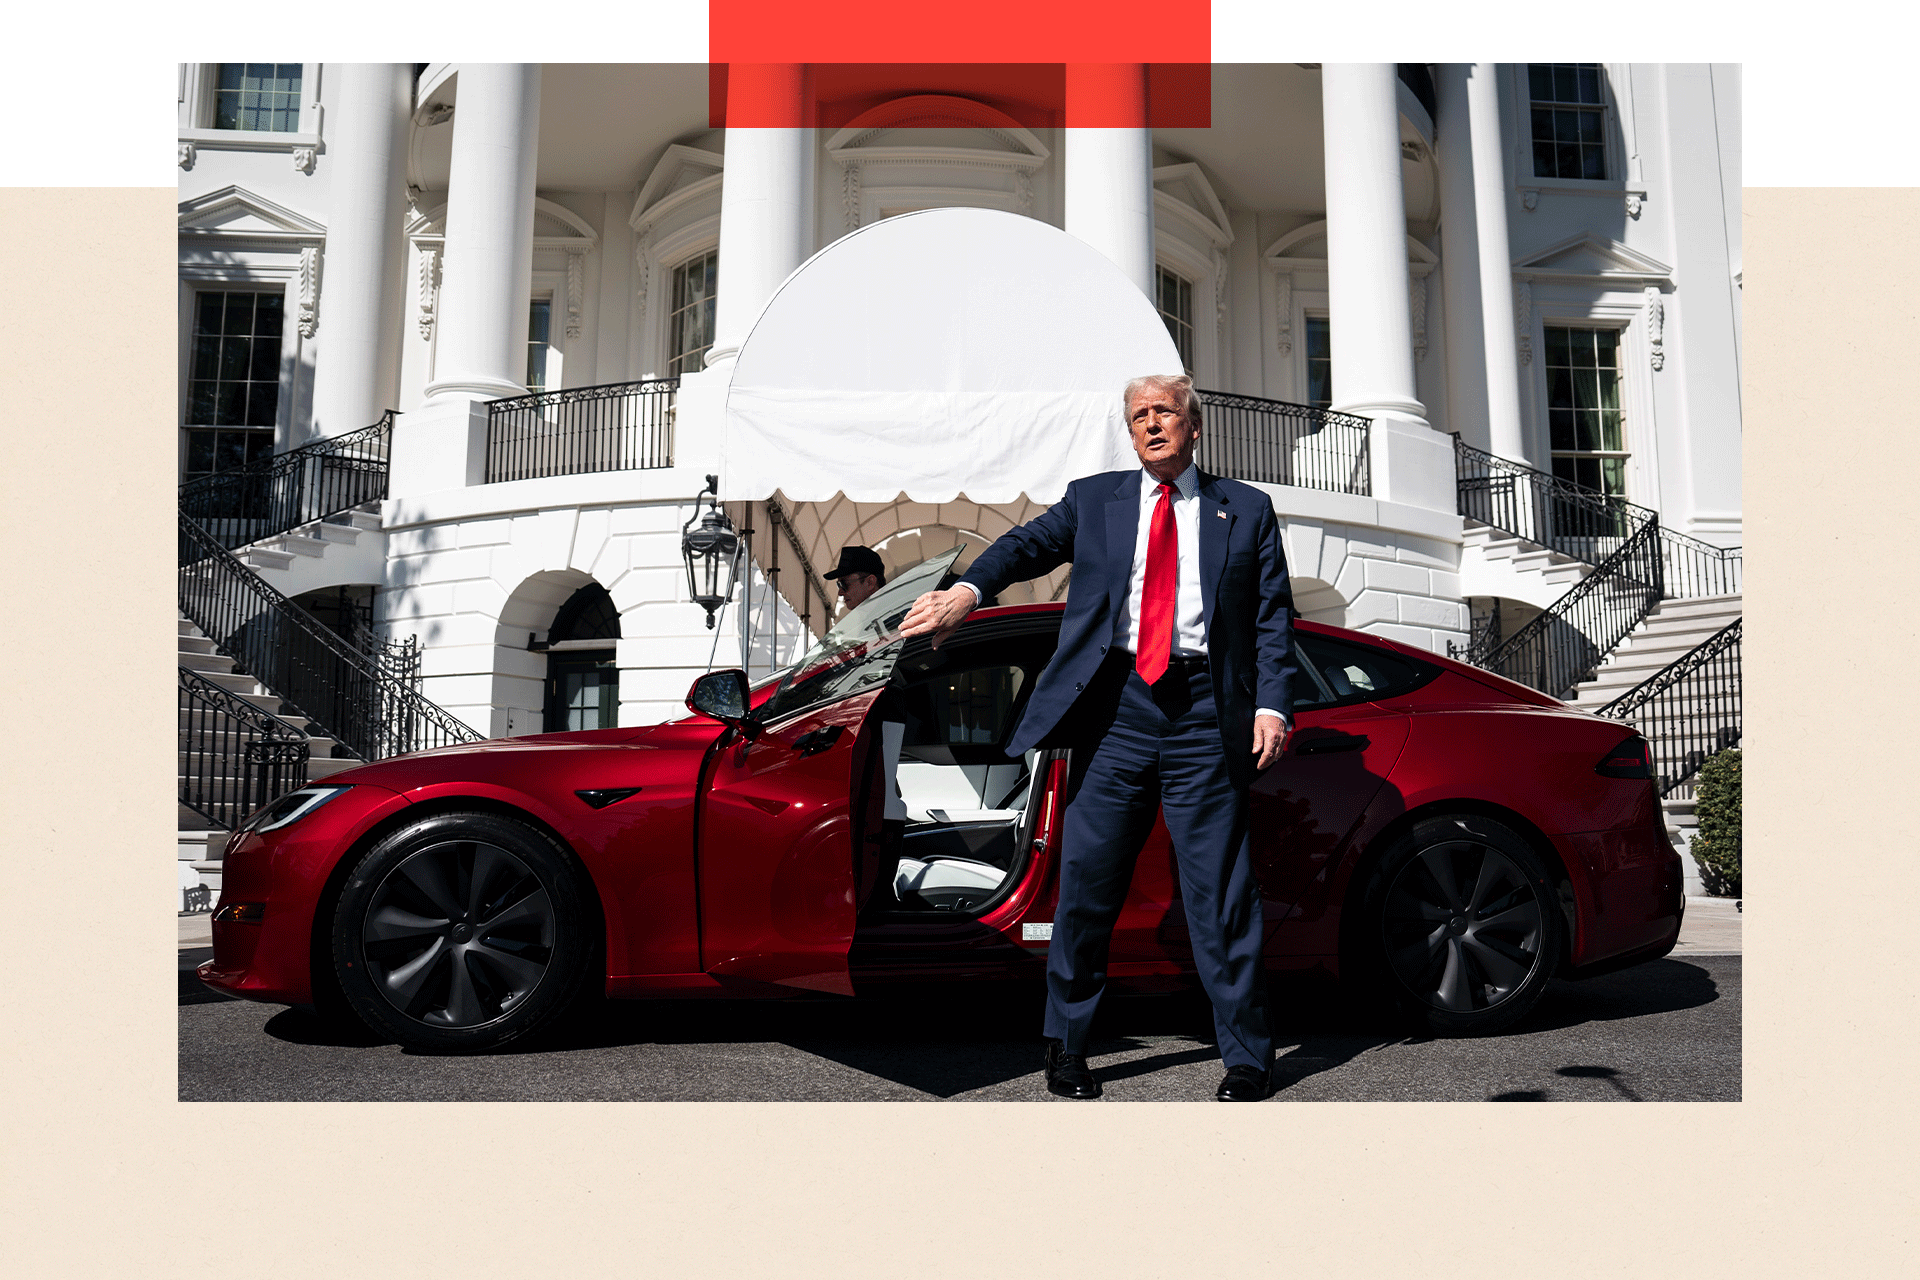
<point>1177,664</point>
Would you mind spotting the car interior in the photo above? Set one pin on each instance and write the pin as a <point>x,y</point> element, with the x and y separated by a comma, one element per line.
<point>967,809</point>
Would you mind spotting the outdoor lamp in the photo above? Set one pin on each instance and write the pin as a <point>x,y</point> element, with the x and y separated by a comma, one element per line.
<point>709,552</point>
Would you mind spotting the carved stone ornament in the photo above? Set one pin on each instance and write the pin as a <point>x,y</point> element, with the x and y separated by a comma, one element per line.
<point>1529,200</point>
<point>303,159</point>
<point>429,287</point>
<point>1417,304</point>
<point>643,272</point>
<point>1634,200</point>
<point>576,273</point>
<point>186,155</point>
<point>1523,320</point>
<point>1220,292</point>
<point>1656,326</point>
<point>309,291</point>
<point>1023,191</point>
<point>849,196</point>
<point>1283,308</point>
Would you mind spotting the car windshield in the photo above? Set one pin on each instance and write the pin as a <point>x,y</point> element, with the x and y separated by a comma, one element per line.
<point>860,649</point>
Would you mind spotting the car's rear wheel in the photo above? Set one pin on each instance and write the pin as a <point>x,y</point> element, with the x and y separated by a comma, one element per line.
<point>462,932</point>
<point>1461,928</point>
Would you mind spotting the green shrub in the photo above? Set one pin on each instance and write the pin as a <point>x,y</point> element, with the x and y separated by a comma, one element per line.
<point>1717,802</point>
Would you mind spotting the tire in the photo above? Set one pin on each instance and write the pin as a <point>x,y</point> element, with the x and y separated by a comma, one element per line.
<point>462,932</point>
<point>1461,928</point>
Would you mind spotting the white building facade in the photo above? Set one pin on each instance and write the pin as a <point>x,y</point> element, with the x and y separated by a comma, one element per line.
<point>1540,260</point>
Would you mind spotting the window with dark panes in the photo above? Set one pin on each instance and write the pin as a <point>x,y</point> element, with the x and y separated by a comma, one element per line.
<point>964,707</point>
<point>1175,303</point>
<point>258,95</point>
<point>539,343</point>
<point>1334,672</point>
<point>1569,107</point>
<point>233,379</point>
<point>1585,424</point>
<point>690,326</point>
<point>1319,362</point>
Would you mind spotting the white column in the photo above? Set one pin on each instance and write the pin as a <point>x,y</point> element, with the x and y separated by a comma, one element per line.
<point>1496,262</point>
<point>766,198</point>
<point>487,280</point>
<point>481,348</point>
<point>1460,260</point>
<point>357,377</point>
<point>1109,170</point>
<point>1371,317</point>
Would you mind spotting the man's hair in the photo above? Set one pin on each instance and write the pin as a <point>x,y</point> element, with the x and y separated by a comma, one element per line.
<point>1178,383</point>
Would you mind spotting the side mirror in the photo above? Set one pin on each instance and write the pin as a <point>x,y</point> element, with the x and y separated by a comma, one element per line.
<point>721,695</point>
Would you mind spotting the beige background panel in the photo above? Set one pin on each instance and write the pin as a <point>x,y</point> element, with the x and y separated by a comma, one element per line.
<point>105,1173</point>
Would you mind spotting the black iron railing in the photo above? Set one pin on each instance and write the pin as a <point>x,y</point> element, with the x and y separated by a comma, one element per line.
<point>622,426</point>
<point>234,756</point>
<point>1274,442</point>
<point>1566,644</point>
<point>1570,518</point>
<point>276,494</point>
<point>1687,711</point>
<point>1694,568</point>
<point>342,690</point>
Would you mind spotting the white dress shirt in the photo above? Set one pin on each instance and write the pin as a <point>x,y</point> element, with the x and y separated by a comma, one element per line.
<point>1189,621</point>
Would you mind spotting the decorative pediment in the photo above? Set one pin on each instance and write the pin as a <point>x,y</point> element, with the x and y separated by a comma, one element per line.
<point>1591,257</point>
<point>1182,191</point>
<point>236,212</point>
<point>684,174</point>
<point>937,127</point>
<point>554,227</point>
<point>1305,249</point>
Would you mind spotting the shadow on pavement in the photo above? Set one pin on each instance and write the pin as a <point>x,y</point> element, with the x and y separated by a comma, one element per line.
<point>945,1041</point>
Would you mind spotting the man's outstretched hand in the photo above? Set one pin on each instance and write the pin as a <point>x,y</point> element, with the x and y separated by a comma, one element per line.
<point>1269,738</point>
<point>938,612</point>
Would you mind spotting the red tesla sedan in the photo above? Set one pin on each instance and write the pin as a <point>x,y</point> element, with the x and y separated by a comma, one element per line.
<point>1433,835</point>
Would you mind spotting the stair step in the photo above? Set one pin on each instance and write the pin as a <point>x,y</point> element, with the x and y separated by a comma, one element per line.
<point>301,545</point>
<point>262,558</point>
<point>205,663</point>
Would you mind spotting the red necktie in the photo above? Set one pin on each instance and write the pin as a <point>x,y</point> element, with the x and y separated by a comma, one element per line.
<point>1156,594</point>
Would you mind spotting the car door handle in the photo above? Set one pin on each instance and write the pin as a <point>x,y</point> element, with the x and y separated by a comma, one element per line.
<point>1331,742</point>
<point>812,744</point>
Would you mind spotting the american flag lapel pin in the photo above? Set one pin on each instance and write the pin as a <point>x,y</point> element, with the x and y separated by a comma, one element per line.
<point>1221,514</point>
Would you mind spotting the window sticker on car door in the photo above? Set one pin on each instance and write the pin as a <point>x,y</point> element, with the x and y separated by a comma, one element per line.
<point>1036,932</point>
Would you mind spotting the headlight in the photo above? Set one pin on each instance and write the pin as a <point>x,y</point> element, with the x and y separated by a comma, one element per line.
<point>292,807</point>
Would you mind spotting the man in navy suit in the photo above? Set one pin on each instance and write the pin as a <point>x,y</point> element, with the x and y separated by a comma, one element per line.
<point>1171,683</point>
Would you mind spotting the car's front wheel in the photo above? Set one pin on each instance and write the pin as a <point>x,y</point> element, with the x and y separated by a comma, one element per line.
<point>1460,926</point>
<point>462,932</point>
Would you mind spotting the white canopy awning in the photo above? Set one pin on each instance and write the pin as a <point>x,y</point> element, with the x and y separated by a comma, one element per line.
<point>935,378</point>
<point>940,353</point>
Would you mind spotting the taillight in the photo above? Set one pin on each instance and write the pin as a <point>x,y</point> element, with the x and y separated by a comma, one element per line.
<point>1628,760</point>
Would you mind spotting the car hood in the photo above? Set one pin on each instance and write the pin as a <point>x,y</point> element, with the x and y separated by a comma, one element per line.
<point>533,755</point>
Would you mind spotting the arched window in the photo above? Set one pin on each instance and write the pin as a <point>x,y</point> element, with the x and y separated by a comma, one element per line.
<point>583,684</point>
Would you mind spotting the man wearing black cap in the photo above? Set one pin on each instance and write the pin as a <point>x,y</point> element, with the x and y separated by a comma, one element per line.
<point>860,573</point>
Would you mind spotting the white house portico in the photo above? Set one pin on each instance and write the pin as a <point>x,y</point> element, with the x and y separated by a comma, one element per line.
<point>1473,327</point>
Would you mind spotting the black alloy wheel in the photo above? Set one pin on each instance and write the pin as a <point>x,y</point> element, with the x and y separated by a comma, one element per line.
<point>1464,924</point>
<point>461,933</point>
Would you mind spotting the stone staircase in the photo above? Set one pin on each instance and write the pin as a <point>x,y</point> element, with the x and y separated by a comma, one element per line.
<point>1670,632</point>
<point>200,843</point>
<point>1496,563</point>
<point>347,547</point>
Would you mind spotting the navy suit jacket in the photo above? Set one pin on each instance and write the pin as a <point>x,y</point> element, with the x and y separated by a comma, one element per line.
<point>1247,605</point>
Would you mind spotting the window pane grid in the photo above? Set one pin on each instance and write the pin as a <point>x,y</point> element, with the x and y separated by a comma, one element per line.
<point>233,379</point>
<point>690,325</point>
<point>1585,423</point>
<point>1568,124</point>
<point>1175,304</point>
<point>1319,362</point>
<point>258,95</point>
<point>539,343</point>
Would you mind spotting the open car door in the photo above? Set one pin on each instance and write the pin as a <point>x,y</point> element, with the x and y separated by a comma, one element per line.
<point>778,833</point>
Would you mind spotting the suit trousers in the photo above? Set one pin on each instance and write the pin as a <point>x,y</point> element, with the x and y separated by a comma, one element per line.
<point>1139,748</point>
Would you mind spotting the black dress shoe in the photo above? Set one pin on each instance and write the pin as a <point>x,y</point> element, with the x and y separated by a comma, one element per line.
<point>1067,1073</point>
<point>1243,1084</point>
